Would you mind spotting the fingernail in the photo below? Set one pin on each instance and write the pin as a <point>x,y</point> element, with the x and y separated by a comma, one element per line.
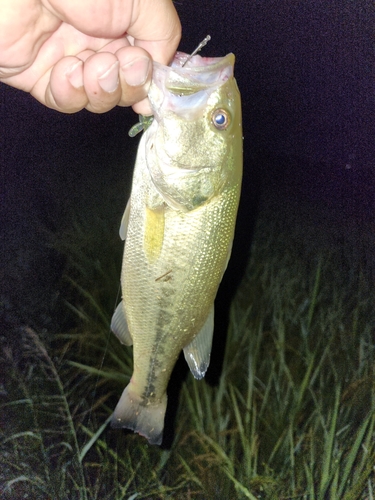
<point>109,80</point>
<point>74,75</point>
<point>136,72</point>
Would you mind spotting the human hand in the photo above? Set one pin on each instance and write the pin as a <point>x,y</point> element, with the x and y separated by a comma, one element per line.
<point>89,54</point>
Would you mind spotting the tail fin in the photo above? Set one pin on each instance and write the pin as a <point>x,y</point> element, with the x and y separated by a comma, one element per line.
<point>133,413</point>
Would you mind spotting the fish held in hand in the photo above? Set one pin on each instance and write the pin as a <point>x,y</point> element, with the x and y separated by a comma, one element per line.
<point>178,228</point>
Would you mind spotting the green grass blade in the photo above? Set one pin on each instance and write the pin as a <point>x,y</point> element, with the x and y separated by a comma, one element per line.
<point>93,440</point>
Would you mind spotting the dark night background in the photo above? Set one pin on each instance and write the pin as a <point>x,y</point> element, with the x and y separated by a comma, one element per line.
<point>305,70</point>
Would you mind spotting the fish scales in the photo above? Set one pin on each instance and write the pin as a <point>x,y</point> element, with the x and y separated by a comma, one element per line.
<point>179,229</point>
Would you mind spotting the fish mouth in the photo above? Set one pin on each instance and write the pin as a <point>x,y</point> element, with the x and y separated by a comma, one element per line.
<point>199,73</point>
<point>187,88</point>
<point>181,59</point>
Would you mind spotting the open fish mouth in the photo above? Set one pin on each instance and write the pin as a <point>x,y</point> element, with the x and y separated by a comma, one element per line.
<point>185,89</point>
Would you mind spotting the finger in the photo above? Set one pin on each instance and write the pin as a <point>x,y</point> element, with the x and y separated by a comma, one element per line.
<point>101,82</point>
<point>115,45</point>
<point>143,107</point>
<point>125,56</point>
<point>62,87</point>
<point>92,84</point>
<point>135,75</point>
<point>95,81</point>
<point>85,54</point>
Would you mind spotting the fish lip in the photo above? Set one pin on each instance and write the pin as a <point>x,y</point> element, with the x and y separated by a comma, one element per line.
<point>199,74</point>
<point>200,63</point>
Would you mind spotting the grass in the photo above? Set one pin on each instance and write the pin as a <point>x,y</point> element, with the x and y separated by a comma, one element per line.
<point>293,413</point>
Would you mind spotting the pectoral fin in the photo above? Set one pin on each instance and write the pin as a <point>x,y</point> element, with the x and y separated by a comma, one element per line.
<point>125,221</point>
<point>197,353</point>
<point>119,325</point>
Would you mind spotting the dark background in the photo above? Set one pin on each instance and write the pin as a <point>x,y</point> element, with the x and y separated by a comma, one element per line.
<point>305,70</point>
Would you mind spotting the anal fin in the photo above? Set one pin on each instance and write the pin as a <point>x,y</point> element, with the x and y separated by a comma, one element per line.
<point>197,353</point>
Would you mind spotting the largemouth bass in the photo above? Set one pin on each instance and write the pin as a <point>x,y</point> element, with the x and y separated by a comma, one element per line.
<point>178,228</point>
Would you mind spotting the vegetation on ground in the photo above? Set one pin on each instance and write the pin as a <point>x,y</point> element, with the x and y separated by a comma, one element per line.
<point>292,415</point>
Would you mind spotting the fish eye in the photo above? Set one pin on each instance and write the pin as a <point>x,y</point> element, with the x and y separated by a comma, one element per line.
<point>220,118</point>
